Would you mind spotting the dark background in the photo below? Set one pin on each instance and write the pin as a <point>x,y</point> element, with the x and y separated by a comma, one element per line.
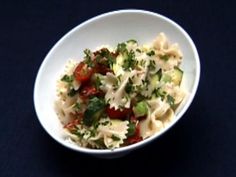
<point>202,143</point>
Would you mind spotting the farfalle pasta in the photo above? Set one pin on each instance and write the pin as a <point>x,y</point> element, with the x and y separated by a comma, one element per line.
<point>119,96</point>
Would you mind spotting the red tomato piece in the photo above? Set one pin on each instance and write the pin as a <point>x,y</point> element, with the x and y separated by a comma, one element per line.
<point>87,91</point>
<point>71,126</point>
<point>102,69</point>
<point>136,137</point>
<point>118,114</point>
<point>83,73</point>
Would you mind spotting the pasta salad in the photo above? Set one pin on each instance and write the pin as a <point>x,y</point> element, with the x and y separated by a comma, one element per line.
<point>119,96</point>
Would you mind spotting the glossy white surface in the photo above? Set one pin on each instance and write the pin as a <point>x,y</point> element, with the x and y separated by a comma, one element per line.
<point>110,28</point>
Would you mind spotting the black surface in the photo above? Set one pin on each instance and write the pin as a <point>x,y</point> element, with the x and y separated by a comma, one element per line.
<point>201,144</point>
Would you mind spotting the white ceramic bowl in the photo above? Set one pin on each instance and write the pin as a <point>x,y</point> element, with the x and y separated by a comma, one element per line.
<point>110,28</point>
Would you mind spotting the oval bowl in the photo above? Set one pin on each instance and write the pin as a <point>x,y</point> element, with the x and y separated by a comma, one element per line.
<point>110,28</point>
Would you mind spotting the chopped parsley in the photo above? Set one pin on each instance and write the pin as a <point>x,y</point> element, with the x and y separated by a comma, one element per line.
<point>98,82</point>
<point>132,41</point>
<point>77,106</point>
<point>68,79</point>
<point>72,92</point>
<point>159,73</point>
<point>92,133</point>
<point>131,129</point>
<point>105,123</point>
<point>129,86</point>
<point>165,57</point>
<point>88,58</point>
<point>170,100</point>
<point>78,134</point>
<point>115,138</point>
<point>151,53</point>
<point>121,48</point>
<point>146,82</point>
<point>159,93</point>
<point>129,61</point>
<point>94,110</point>
<point>152,65</point>
<point>100,142</point>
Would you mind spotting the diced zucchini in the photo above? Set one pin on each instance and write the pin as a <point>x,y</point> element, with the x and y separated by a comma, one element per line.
<point>140,109</point>
<point>166,78</point>
<point>155,80</point>
<point>176,76</point>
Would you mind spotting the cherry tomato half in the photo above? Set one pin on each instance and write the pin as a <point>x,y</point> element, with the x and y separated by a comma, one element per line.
<point>118,114</point>
<point>136,137</point>
<point>71,126</point>
<point>88,91</point>
<point>102,69</point>
<point>83,73</point>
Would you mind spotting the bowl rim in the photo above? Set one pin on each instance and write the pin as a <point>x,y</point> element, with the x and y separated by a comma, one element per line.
<point>145,141</point>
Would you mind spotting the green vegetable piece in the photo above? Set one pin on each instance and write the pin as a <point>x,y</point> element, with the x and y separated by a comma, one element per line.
<point>141,109</point>
<point>115,138</point>
<point>94,110</point>
<point>166,78</point>
<point>88,59</point>
<point>129,60</point>
<point>152,65</point>
<point>159,93</point>
<point>72,92</point>
<point>77,106</point>
<point>68,79</point>
<point>151,53</point>
<point>131,129</point>
<point>129,86</point>
<point>132,41</point>
<point>100,142</point>
<point>121,48</point>
<point>177,75</point>
<point>170,100</point>
<point>165,57</point>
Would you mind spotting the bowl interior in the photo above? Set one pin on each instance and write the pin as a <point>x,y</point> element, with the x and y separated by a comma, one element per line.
<point>110,28</point>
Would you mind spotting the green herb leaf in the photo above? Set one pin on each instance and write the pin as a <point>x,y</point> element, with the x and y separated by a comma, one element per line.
<point>132,41</point>
<point>138,50</point>
<point>98,82</point>
<point>100,143</point>
<point>94,111</point>
<point>72,92</point>
<point>170,100</point>
<point>88,58</point>
<point>110,57</point>
<point>151,53</point>
<point>129,86</point>
<point>131,129</point>
<point>165,57</point>
<point>68,79</point>
<point>159,73</point>
<point>105,123</point>
<point>159,93</point>
<point>129,61</point>
<point>121,48</point>
<point>77,106</point>
<point>93,132</point>
<point>152,65</point>
<point>79,134</point>
<point>115,138</point>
